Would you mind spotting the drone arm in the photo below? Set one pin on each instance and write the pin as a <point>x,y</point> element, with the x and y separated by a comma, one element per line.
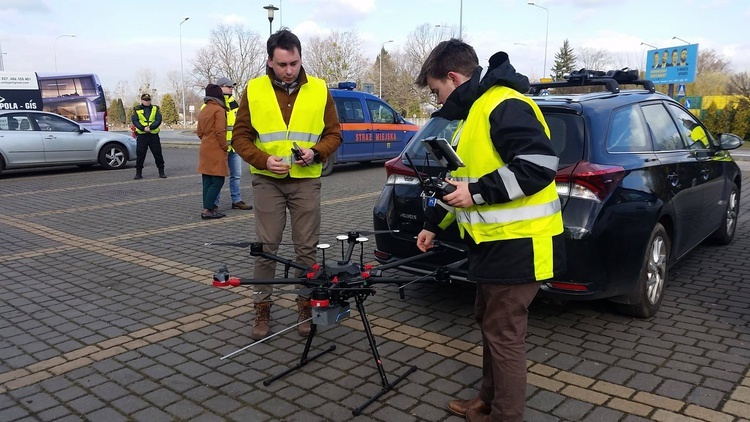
<point>234,282</point>
<point>277,258</point>
<point>400,262</point>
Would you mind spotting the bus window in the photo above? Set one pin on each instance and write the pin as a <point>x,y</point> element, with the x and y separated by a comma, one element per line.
<point>79,97</point>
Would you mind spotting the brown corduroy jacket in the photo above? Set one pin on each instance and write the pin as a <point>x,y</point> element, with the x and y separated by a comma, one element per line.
<point>212,129</point>
<point>244,134</point>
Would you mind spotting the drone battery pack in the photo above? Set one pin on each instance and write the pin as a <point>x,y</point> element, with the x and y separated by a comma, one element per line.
<point>330,315</point>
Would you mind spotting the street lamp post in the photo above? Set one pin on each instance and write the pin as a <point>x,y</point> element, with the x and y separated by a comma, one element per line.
<point>678,38</point>
<point>55,46</point>
<point>182,77</point>
<point>546,33</point>
<point>461,21</point>
<point>380,59</point>
<point>271,8</point>
<point>645,43</point>
<point>2,66</point>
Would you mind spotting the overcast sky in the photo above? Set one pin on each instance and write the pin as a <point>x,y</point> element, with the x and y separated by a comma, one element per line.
<point>114,39</point>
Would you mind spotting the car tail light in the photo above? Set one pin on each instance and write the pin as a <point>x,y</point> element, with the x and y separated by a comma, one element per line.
<point>588,181</point>
<point>106,126</point>
<point>573,287</point>
<point>382,255</point>
<point>399,173</point>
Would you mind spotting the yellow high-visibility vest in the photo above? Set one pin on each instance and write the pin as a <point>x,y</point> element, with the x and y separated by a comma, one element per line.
<point>305,125</point>
<point>146,121</point>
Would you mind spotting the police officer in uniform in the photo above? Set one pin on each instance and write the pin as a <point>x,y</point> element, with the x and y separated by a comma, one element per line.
<point>147,119</point>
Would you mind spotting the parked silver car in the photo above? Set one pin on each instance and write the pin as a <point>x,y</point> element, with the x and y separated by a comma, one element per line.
<point>37,139</point>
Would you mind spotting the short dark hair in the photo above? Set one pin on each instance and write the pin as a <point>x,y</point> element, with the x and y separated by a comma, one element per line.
<point>285,40</point>
<point>449,56</point>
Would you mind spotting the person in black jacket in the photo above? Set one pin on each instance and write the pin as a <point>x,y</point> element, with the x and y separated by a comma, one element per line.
<point>507,210</point>
<point>147,119</point>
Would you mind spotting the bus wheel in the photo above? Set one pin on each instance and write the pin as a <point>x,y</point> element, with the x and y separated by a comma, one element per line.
<point>328,166</point>
<point>113,156</point>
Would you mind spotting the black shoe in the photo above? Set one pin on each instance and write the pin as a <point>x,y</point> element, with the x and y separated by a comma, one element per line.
<point>212,215</point>
<point>162,176</point>
<point>138,176</point>
<point>215,208</point>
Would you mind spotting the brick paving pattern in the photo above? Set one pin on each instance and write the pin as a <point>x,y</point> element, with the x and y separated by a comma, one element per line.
<point>107,313</point>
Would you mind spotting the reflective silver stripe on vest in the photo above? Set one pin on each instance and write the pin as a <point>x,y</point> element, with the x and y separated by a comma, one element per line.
<point>293,136</point>
<point>511,183</point>
<point>546,161</point>
<point>230,128</point>
<point>466,179</point>
<point>509,215</point>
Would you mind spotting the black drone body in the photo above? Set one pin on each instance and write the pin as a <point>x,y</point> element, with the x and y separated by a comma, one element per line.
<point>331,285</point>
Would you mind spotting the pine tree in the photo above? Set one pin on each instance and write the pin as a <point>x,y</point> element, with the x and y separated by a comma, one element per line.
<point>565,61</point>
<point>169,113</point>
<point>116,112</point>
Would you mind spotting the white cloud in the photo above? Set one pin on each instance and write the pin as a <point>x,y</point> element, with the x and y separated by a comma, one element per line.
<point>336,13</point>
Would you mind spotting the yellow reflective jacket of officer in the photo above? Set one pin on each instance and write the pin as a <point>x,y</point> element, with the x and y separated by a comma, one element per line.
<point>147,116</point>
<point>514,226</point>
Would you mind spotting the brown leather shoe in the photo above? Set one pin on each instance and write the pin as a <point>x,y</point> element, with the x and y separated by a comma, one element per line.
<point>305,312</point>
<point>476,415</point>
<point>262,316</point>
<point>241,206</point>
<point>460,407</point>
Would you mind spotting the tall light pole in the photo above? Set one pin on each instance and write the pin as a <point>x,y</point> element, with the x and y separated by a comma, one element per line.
<point>546,33</point>
<point>380,59</point>
<point>652,46</point>
<point>270,8</point>
<point>182,77</point>
<point>461,21</point>
<point>2,66</point>
<point>55,46</point>
<point>678,38</point>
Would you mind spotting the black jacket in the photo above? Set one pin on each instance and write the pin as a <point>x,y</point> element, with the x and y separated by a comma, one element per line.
<point>147,113</point>
<point>518,136</point>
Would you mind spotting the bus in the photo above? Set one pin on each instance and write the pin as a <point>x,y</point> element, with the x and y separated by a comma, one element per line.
<point>77,96</point>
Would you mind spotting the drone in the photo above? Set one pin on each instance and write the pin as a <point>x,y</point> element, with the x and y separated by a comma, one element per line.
<point>331,285</point>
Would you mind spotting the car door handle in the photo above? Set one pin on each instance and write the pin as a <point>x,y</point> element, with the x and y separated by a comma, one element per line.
<point>50,137</point>
<point>674,179</point>
<point>648,160</point>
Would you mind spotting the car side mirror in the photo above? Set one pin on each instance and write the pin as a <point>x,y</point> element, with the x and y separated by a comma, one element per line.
<point>729,141</point>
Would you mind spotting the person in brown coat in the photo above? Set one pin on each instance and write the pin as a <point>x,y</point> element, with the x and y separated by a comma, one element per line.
<point>212,158</point>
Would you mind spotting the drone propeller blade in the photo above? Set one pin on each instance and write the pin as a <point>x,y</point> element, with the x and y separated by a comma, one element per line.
<point>361,232</point>
<point>235,244</point>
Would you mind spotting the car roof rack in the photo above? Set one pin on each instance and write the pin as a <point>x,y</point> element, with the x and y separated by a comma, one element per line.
<point>611,79</point>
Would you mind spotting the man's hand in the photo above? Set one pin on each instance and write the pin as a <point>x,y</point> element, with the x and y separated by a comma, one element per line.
<point>147,129</point>
<point>424,240</point>
<point>277,165</point>
<point>461,197</point>
<point>309,156</point>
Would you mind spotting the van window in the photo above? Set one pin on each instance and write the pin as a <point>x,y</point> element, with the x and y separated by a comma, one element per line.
<point>349,110</point>
<point>380,113</point>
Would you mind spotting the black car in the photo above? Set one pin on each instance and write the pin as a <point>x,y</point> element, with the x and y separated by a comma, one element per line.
<point>641,181</point>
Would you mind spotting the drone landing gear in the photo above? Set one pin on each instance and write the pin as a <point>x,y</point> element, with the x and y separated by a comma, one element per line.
<point>304,360</point>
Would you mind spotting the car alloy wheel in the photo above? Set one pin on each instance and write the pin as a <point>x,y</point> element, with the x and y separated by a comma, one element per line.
<point>112,157</point>
<point>656,269</point>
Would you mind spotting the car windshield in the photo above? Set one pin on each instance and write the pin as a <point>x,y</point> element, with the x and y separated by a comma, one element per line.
<point>566,132</point>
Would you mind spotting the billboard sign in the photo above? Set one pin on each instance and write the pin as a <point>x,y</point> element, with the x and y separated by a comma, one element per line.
<point>19,91</point>
<point>672,65</point>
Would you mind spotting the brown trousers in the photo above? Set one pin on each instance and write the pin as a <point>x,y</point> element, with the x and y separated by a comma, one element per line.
<point>502,314</point>
<point>271,198</point>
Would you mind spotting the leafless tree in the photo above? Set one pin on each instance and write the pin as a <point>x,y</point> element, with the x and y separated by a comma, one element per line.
<point>419,44</point>
<point>145,78</point>
<point>710,61</point>
<point>593,58</point>
<point>739,84</point>
<point>335,57</point>
<point>232,52</point>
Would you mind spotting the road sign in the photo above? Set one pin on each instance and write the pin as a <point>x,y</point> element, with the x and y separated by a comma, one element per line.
<point>687,103</point>
<point>680,91</point>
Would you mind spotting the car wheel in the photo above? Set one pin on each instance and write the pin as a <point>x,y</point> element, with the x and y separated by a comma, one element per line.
<point>113,156</point>
<point>328,166</point>
<point>725,233</point>
<point>649,293</point>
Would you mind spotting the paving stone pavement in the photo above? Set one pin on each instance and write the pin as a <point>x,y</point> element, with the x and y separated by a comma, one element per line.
<point>107,313</point>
